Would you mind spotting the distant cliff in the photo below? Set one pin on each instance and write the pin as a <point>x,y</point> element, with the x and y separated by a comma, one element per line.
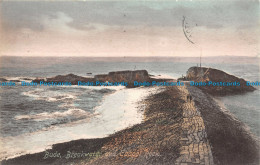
<point>203,74</point>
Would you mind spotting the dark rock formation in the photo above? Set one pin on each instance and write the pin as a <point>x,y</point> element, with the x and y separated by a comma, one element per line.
<point>124,76</point>
<point>66,78</point>
<point>26,79</point>
<point>38,80</point>
<point>206,75</point>
<point>3,79</point>
<point>15,80</point>
<point>120,76</point>
<point>70,78</point>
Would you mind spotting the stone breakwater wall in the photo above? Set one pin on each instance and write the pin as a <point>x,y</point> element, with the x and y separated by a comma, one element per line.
<point>195,147</point>
<point>231,143</point>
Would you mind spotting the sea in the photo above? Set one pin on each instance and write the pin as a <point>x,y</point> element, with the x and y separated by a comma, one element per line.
<point>33,118</point>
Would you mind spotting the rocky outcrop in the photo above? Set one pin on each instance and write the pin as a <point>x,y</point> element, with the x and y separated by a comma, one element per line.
<point>66,78</point>
<point>120,76</point>
<point>125,76</point>
<point>3,79</point>
<point>206,75</point>
<point>138,75</point>
<point>70,78</point>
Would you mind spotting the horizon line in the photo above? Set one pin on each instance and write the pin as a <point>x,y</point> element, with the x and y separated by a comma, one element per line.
<point>136,56</point>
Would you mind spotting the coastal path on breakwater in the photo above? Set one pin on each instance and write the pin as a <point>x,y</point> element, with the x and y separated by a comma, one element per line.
<point>195,147</point>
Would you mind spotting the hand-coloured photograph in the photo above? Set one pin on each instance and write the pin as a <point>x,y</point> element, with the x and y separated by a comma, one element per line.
<point>141,82</point>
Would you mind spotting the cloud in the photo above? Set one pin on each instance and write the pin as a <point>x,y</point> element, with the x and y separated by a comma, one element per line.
<point>61,23</point>
<point>130,13</point>
<point>58,23</point>
<point>129,27</point>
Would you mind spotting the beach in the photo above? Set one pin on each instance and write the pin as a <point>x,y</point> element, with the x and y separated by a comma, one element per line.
<point>96,125</point>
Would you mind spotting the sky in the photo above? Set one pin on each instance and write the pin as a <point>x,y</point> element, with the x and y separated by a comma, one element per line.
<point>129,28</point>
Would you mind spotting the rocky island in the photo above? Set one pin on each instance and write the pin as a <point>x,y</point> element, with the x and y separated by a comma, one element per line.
<point>119,76</point>
<point>205,75</point>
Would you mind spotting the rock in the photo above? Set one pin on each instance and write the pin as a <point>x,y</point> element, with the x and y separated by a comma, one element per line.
<point>38,80</point>
<point>3,79</point>
<point>15,80</point>
<point>204,74</point>
<point>125,76</point>
<point>27,79</point>
<point>112,77</point>
<point>138,75</point>
<point>66,78</point>
<point>69,78</point>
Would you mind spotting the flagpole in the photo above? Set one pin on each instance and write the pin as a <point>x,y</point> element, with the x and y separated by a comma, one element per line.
<point>200,56</point>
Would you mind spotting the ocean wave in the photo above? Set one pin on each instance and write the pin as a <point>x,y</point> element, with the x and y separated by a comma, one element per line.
<point>164,76</point>
<point>26,79</point>
<point>96,87</point>
<point>46,116</point>
<point>50,96</point>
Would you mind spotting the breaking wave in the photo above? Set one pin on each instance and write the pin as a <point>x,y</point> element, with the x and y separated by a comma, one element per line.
<point>53,115</point>
<point>50,96</point>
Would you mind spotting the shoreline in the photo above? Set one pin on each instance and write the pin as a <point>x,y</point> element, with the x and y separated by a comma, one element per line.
<point>114,141</point>
<point>100,125</point>
<point>161,128</point>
